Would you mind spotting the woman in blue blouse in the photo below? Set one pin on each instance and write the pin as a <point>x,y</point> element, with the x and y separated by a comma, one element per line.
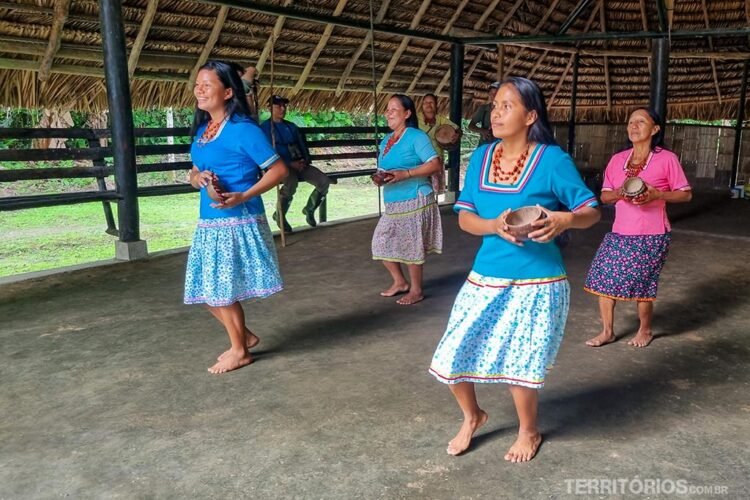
<point>508,319</point>
<point>233,255</point>
<point>410,228</point>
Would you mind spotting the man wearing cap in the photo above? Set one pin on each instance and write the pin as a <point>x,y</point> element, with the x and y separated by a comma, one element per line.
<point>289,143</point>
<point>482,117</point>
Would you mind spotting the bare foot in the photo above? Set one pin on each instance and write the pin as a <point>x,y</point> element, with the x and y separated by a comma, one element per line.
<point>603,338</point>
<point>461,442</point>
<point>641,339</point>
<point>525,447</point>
<point>410,298</point>
<point>395,289</point>
<point>231,361</point>
<point>251,340</point>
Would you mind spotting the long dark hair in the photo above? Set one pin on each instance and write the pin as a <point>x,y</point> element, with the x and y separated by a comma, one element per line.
<point>533,100</point>
<point>408,105</point>
<point>236,107</point>
<point>657,140</point>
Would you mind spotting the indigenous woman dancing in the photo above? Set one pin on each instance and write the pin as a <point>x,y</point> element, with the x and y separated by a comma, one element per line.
<point>233,255</point>
<point>630,258</point>
<point>508,319</point>
<point>410,228</point>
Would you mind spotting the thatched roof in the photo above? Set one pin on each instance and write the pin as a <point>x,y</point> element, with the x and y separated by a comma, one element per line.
<point>330,65</point>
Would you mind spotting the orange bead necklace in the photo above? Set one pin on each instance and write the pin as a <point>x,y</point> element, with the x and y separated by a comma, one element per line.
<point>501,176</point>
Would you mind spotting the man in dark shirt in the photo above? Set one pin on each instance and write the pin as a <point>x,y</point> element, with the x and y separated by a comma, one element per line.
<point>289,143</point>
<point>480,120</point>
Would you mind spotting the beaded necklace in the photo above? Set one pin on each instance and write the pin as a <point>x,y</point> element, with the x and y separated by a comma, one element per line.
<point>501,176</point>
<point>210,133</point>
<point>633,169</point>
<point>392,140</point>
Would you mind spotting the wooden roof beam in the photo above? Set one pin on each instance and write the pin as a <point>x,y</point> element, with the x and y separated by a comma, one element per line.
<point>499,30</point>
<point>275,32</point>
<point>55,38</point>
<point>402,46</point>
<point>140,40</point>
<point>319,48</point>
<point>711,46</point>
<point>582,4</point>
<point>533,32</point>
<point>607,79</point>
<point>362,47</point>
<point>436,45</point>
<point>212,39</point>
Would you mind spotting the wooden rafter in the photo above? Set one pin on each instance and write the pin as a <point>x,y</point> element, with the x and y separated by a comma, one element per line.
<point>501,27</point>
<point>711,46</point>
<point>402,46</point>
<point>140,39</point>
<point>473,66</point>
<point>603,28</point>
<point>318,48</point>
<point>362,47</point>
<point>212,39</point>
<point>59,16</point>
<point>275,32</point>
<point>500,63</point>
<point>489,10</point>
<point>537,64</point>
<point>590,20</point>
<point>534,32</point>
<point>436,45</point>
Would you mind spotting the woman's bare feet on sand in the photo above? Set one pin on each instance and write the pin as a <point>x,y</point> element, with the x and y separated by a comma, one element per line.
<point>251,340</point>
<point>641,339</point>
<point>462,441</point>
<point>231,361</point>
<point>410,298</point>
<point>395,289</point>
<point>525,447</point>
<point>603,338</point>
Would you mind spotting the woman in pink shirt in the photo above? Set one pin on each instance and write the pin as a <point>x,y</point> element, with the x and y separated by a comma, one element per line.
<point>630,258</point>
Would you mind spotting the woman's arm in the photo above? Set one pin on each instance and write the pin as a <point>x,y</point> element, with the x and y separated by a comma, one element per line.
<point>652,194</point>
<point>557,222</point>
<point>609,197</point>
<point>273,176</point>
<point>199,179</point>
<point>425,170</point>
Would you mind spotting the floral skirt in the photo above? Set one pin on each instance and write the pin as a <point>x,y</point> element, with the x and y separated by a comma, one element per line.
<point>231,259</point>
<point>408,231</point>
<point>503,331</point>
<point>628,267</point>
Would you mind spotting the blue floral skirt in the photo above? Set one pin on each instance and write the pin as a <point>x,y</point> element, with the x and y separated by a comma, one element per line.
<point>503,330</point>
<point>231,259</point>
<point>628,267</point>
<point>408,231</point>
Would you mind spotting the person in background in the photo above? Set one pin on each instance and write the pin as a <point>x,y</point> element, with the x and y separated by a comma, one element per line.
<point>630,258</point>
<point>480,120</point>
<point>290,144</point>
<point>410,226</point>
<point>429,122</point>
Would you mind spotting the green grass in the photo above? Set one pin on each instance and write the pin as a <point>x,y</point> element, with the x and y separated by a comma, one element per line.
<point>47,238</point>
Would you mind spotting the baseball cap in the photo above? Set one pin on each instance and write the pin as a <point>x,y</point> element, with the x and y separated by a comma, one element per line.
<point>277,99</point>
<point>495,85</point>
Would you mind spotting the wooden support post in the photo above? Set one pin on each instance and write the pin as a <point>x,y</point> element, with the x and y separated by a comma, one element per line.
<point>738,126</point>
<point>121,125</point>
<point>456,104</point>
<point>572,118</point>
<point>659,71</point>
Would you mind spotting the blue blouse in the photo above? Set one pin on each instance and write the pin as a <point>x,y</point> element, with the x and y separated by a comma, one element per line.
<point>413,149</point>
<point>236,155</point>
<point>549,179</point>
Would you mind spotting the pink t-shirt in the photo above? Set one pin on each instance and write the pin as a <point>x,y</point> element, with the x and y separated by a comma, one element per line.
<point>664,172</point>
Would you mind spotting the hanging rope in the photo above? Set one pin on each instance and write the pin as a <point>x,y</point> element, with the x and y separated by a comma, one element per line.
<point>281,216</point>
<point>375,97</point>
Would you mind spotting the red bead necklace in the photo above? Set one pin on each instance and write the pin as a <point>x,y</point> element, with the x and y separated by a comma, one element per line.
<point>211,130</point>
<point>501,176</point>
<point>392,140</point>
<point>633,169</point>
